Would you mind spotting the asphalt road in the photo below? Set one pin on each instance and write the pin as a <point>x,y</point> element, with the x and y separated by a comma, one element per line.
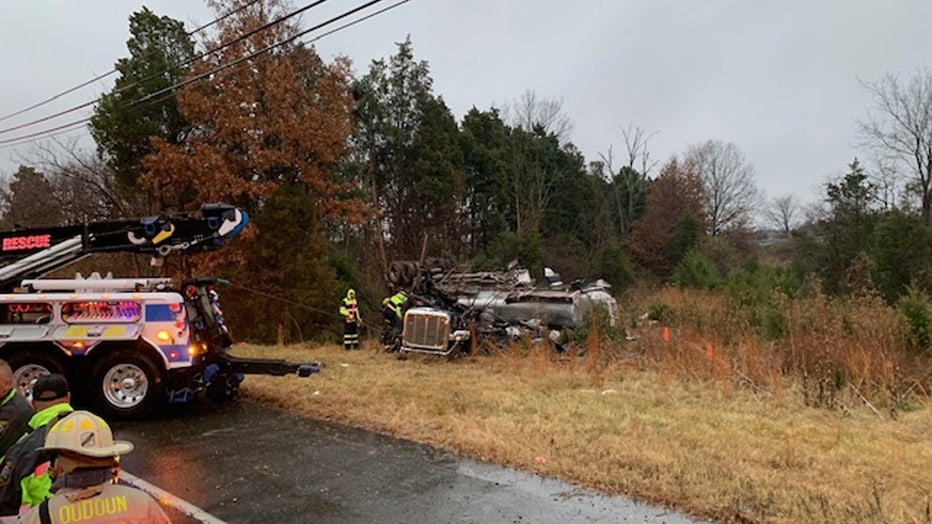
<point>242,462</point>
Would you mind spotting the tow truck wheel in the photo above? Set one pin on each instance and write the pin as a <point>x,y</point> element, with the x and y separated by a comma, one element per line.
<point>27,366</point>
<point>126,385</point>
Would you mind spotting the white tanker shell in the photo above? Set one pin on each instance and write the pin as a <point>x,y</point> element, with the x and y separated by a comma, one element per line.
<point>558,309</point>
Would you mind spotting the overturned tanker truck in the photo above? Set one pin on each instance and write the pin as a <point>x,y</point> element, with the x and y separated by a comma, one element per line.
<point>449,311</point>
<point>125,344</point>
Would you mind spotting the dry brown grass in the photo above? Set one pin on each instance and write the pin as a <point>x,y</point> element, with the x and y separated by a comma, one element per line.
<point>840,352</point>
<point>717,430</point>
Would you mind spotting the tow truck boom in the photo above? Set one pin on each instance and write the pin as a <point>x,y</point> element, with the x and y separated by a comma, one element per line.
<point>39,251</point>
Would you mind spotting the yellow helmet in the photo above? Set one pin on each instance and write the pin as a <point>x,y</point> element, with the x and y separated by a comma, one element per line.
<point>84,433</point>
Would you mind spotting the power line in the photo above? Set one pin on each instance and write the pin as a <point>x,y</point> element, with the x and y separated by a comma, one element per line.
<point>259,52</point>
<point>173,68</point>
<point>354,22</point>
<point>168,91</point>
<point>114,70</point>
<point>46,134</point>
<point>340,28</point>
<point>25,138</point>
<point>224,17</point>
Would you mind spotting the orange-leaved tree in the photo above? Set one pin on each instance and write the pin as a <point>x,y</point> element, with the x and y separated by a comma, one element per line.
<point>672,222</point>
<point>269,119</point>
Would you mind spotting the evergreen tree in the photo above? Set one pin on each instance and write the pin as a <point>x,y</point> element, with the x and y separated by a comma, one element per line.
<point>407,144</point>
<point>28,201</point>
<point>291,284</point>
<point>483,142</point>
<point>138,107</point>
<point>901,254</point>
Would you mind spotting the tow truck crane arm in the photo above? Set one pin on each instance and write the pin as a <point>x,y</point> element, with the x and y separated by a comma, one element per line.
<point>39,251</point>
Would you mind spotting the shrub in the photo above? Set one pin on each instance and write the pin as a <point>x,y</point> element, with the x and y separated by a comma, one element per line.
<point>914,305</point>
<point>696,271</point>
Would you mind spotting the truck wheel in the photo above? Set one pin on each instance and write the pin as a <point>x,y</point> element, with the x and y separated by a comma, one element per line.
<point>126,385</point>
<point>27,366</point>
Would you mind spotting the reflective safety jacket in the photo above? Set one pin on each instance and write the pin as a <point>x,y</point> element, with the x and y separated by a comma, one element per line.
<point>348,308</point>
<point>23,478</point>
<point>396,303</point>
<point>99,504</point>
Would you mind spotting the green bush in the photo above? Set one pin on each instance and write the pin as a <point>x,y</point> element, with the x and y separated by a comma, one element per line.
<point>914,305</point>
<point>696,271</point>
<point>615,267</point>
<point>659,312</point>
<point>757,293</point>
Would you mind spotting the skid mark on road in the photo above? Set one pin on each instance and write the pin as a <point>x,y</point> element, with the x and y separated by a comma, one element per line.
<point>169,499</point>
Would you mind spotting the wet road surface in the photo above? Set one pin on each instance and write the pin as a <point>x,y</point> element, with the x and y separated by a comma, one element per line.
<point>243,462</point>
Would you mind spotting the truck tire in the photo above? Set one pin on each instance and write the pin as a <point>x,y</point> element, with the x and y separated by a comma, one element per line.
<point>27,366</point>
<point>126,385</point>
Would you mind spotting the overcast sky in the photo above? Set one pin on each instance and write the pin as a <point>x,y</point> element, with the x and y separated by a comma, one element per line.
<point>779,78</point>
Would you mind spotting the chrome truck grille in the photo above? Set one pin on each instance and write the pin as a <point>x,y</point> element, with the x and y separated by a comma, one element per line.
<point>426,329</point>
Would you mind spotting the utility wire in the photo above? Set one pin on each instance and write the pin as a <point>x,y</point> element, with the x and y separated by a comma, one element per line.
<point>259,52</point>
<point>170,90</point>
<point>114,70</point>
<point>189,61</point>
<point>47,134</point>
<point>50,132</point>
<point>354,22</point>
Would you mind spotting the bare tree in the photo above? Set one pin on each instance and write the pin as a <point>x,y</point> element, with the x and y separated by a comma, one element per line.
<point>885,177</point>
<point>531,111</point>
<point>899,127</point>
<point>82,185</point>
<point>783,211</point>
<point>636,139</point>
<point>731,194</point>
<point>630,182</point>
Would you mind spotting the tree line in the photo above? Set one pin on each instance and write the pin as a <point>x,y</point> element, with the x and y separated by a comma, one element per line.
<point>344,173</point>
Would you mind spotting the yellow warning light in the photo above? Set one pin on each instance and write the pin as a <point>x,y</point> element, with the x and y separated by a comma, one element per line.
<point>164,336</point>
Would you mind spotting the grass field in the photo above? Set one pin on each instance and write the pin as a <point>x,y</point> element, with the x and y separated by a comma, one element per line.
<point>725,449</point>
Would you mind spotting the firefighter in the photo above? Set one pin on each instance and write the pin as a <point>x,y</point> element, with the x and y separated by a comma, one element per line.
<point>24,477</point>
<point>393,308</point>
<point>86,459</point>
<point>350,311</point>
<point>15,410</point>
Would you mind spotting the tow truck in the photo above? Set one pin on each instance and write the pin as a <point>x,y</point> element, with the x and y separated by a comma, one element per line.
<point>126,345</point>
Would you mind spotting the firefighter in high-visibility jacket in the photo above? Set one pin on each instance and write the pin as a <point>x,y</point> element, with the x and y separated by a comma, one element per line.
<point>350,311</point>
<point>85,459</point>
<point>393,308</point>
